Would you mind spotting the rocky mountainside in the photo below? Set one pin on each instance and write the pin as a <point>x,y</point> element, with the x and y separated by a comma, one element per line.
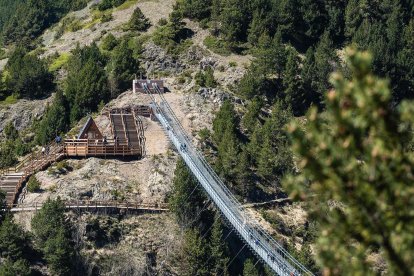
<point>152,241</point>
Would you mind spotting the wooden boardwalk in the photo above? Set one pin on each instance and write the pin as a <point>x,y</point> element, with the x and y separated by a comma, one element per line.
<point>95,206</point>
<point>129,141</point>
<point>12,179</point>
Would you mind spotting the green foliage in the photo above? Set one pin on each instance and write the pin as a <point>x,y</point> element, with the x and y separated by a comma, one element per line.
<point>226,139</point>
<point>14,242</point>
<point>22,21</point>
<point>109,42</point>
<point>122,66</point>
<point>233,20</point>
<point>87,83</point>
<point>186,199</point>
<point>108,4</point>
<point>173,36</point>
<point>28,76</point>
<point>196,254</point>
<point>216,45</point>
<point>7,154</point>
<point>269,145</point>
<point>206,78</point>
<point>356,160</point>
<point>59,62</point>
<point>249,268</point>
<point>55,121</point>
<point>33,185</point>
<point>293,84</point>
<point>20,267</point>
<point>271,55</point>
<point>218,249</point>
<point>2,204</point>
<point>53,237</point>
<point>138,21</point>
<point>10,131</point>
<point>252,116</point>
<point>196,9</point>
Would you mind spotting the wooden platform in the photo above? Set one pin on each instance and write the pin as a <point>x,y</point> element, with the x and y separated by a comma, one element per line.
<point>128,141</point>
<point>89,148</point>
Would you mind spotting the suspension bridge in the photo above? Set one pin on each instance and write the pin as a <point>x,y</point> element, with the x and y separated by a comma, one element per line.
<point>260,242</point>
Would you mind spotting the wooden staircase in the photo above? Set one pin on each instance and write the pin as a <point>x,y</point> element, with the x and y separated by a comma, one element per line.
<point>12,179</point>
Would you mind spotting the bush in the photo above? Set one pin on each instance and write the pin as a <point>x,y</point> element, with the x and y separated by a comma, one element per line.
<point>33,185</point>
<point>138,21</point>
<point>106,17</point>
<point>53,237</point>
<point>217,46</point>
<point>206,78</point>
<point>29,76</point>
<point>109,42</point>
<point>162,22</point>
<point>108,4</point>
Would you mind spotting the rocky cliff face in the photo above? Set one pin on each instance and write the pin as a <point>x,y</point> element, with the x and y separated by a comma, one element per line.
<point>23,113</point>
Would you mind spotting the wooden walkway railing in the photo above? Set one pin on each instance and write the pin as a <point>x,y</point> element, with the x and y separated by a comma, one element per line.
<point>99,148</point>
<point>33,163</point>
<point>95,206</point>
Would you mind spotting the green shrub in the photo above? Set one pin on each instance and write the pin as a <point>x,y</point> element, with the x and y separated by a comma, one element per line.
<point>109,42</point>
<point>33,185</point>
<point>217,46</point>
<point>106,17</point>
<point>108,4</point>
<point>138,21</point>
<point>232,64</point>
<point>206,78</point>
<point>63,166</point>
<point>162,22</point>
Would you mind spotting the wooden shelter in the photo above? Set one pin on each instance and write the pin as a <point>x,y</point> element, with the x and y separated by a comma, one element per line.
<point>90,131</point>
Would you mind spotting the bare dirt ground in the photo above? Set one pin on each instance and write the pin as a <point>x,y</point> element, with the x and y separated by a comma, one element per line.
<point>152,9</point>
<point>147,180</point>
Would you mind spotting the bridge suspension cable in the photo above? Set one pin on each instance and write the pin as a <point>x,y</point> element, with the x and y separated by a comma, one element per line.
<point>262,244</point>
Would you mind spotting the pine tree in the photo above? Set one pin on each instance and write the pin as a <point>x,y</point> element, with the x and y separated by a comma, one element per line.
<point>356,158</point>
<point>244,174</point>
<point>28,76</point>
<point>271,56</point>
<point>86,84</point>
<point>196,254</point>
<point>275,158</point>
<point>228,153</point>
<point>186,200</point>
<point>218,248</point>
<point>55,121</point>
<point>109,42</point>
<point>13,240</point>
<point>293,84</point>
<point>20,267</point>
<point>123,66</point>
<point>278,54</point>
<point>198,9</point>
<point>53,237</point>
<point>325,63</point>
<point>353,17</point>
<point>405,66</point>
<point>309,78</point>
<point>225,119</point>
<point>233,21</point>
<point>59,252</point>
<point>252,116</point>
<point>249,269</point>
<point>138,21</point>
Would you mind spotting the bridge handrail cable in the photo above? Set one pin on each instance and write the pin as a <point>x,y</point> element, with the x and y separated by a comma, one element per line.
<point>212,178</point>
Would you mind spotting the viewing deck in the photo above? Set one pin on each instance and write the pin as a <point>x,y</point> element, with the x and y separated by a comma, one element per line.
<point>99,148</point>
